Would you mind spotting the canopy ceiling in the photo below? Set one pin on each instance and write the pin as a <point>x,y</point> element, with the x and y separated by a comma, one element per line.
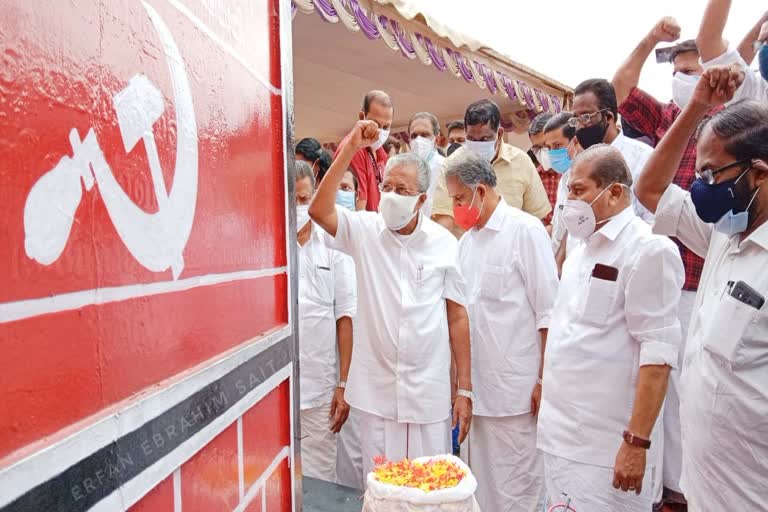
<point>334,67</point>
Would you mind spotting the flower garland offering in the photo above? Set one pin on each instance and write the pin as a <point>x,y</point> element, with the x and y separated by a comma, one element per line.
<point>428,476</point>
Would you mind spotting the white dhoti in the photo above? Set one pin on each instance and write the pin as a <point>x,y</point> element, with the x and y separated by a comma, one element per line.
<point>318,444</point>
<point>509,469</point>
<point>590,488</point>
<point>672,443</point>
<point>349,456</point>
<point>396,441</point>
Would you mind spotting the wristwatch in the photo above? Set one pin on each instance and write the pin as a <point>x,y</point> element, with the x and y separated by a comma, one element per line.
<point>342,384</point>
<point>466,394</point>
<point>634,440</point>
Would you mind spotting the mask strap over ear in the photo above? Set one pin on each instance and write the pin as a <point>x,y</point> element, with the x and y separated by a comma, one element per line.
<point>752,200</point>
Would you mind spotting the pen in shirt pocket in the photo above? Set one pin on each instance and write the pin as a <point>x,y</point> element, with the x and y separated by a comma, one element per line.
<point>320,267</point>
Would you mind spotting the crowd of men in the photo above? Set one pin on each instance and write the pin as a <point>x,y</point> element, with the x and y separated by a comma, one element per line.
<point>588,315</point>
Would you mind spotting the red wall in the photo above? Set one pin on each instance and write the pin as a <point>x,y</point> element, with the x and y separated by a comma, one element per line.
<point>65,361</point>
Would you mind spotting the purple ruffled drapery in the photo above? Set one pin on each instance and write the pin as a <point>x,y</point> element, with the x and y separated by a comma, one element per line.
<point>403,42</point>
<point>367,25</point>
<point>487,73</point>
<point>509,87</point>
<point>527,95</point>
<point>466,73</point>
<point>543,100</point>
<point>326,10</point>
<point>437,59</point>
<point>556,102</point>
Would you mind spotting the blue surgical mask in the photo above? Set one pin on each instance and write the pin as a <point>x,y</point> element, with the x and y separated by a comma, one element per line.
<point>733,223</point>
<point>763,59</point>
<point>346,199</point>
<point>716,201</point>
<point>560,160</point>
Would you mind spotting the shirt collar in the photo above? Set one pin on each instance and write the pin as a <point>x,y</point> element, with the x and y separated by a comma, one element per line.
<point>496,219</point>
<point>397,236</point>
<point>619,140</point>
<point>505,153</point>
<point>759,236</point>
<point>314,235</point>
<point>615,226</point>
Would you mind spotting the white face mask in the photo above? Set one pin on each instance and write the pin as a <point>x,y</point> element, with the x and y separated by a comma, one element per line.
<point>579,218</point>
<point>486,149</point>
<point>383,136</point>
<point>423,147</point>
<point>302,215</point>
<point>543,157</point>
<point>397,210</point>
<point>682,88</point>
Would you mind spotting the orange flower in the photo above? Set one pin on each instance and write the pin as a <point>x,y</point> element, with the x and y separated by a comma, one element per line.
<point>427,476</point>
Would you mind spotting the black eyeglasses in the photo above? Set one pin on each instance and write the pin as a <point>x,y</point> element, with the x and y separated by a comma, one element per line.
<point>708,175</point>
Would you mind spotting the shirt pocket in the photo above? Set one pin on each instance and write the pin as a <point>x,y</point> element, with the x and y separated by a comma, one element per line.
<point>599,301</point>
<point>323,284</point>
<point>735,333</point>
<point>492,282</point>
<point>429,284</point>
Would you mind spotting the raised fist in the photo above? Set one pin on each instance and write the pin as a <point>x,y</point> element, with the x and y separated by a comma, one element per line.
<point>363,134</point>
<point>718,85</point>
<point>667,30</point>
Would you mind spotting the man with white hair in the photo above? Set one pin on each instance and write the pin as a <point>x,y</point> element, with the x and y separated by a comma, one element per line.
<point>614,336</point>
<point>506,258</point>
<point>411,314</point>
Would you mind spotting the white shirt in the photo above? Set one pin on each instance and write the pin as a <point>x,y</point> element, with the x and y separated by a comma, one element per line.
<point>724,382</point>
<point>558,226</point>
<point>601,333</point>
<point>511,281</point>
<point>401,360</point>
<point>753,87</point>
<point>636,154</point>
<point>435,162</point>
<point>326,294</point>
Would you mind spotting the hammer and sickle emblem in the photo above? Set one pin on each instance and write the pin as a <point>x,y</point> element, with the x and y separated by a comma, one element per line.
<point>156,240</point>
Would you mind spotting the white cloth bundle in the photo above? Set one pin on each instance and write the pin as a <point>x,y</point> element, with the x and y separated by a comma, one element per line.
<point>382,497</point>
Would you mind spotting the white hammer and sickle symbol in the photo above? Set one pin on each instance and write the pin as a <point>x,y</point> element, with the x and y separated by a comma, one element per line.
<point>156,240</point>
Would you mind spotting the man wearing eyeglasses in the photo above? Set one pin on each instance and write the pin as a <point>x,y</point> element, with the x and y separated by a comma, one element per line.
<point>724,390</point>
<point>654,119</point>
<point>411,317</point>
<point>595,114</point>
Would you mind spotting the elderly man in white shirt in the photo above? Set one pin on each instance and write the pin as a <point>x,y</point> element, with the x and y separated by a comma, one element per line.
<point>724,382</point>
<point>411,316</point>
<point>326,307</point>
<point>614,335</point>
<point>423,130</point>
<point>506,258</point>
